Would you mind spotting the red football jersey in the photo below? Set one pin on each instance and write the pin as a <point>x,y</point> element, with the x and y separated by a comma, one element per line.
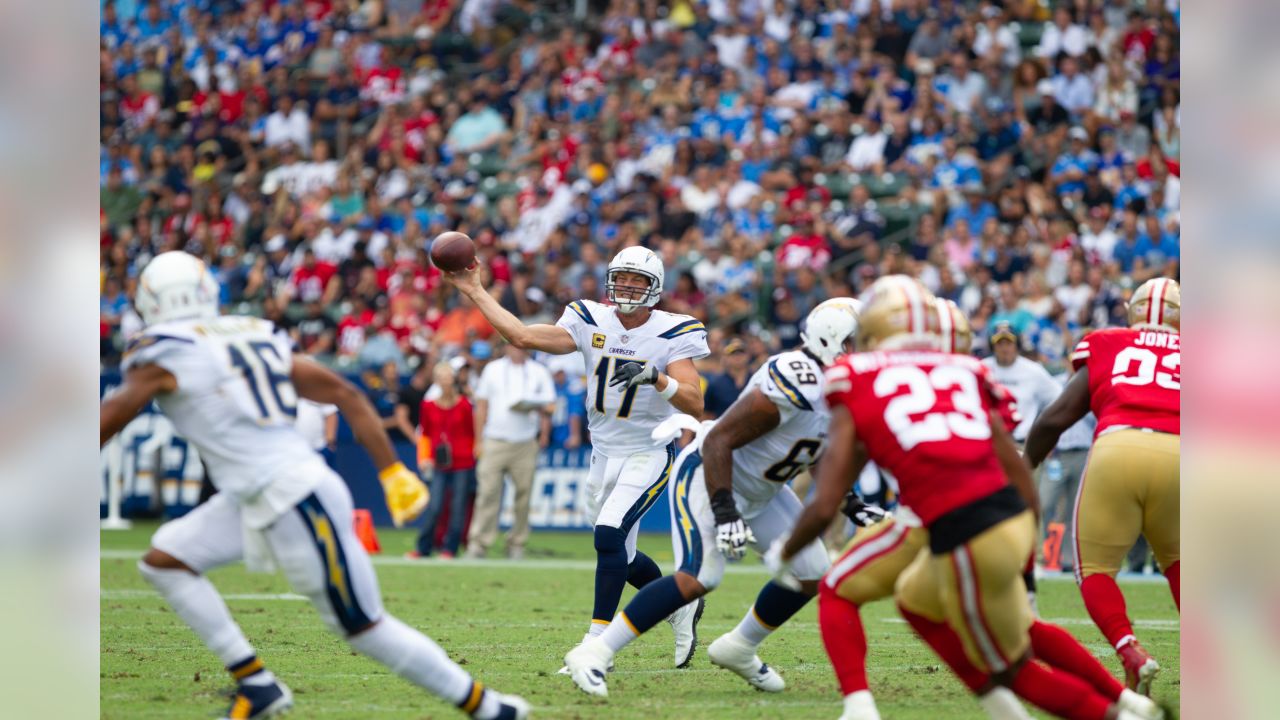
<point>926,418</point>
<point>1006,406</point>
<point>1135,377</point>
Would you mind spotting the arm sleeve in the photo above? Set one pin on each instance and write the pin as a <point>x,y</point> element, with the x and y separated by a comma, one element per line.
<point>690,344</point>
<point>787,387</point>
<point>1080,355</point>
<point>573,319</point>
<point>171,352</point>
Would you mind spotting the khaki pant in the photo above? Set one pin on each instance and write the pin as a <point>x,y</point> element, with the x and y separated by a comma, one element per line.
<point>977,588</point>
<point>499,458</point>
<point>1130,487</point>
<point>869,567</point>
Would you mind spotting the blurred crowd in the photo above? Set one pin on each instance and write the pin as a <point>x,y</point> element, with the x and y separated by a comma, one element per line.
<point>1019,157</point>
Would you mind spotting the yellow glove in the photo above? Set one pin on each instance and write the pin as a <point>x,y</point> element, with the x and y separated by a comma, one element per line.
<point>407,496</point>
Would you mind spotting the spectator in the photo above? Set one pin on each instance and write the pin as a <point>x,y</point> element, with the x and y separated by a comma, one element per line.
<point>446,458</point>
<point>316,333</point>
<point>1032,386</point>
<point>569,420</point>
<point>318,423</point>
<point>1073,89</point>
<point>383,388</point>
<point>1062,35</point>
<point>512,393</point>
<point>1060,481</point>
<point>725,387</point>
<point>288,124</point>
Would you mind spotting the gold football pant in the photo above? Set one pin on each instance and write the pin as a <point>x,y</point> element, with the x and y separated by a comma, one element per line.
<point>869,567</point>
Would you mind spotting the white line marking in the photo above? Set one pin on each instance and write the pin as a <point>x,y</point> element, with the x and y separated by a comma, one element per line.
<point>122,594</point>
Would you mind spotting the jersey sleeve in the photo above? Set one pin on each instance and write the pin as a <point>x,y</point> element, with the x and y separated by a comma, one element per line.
<point>688,340</point>
<point>792,385</point>
<point>577,319</point>
<point>173,352</point>
<point>1080,355</point>
<point>837,384</point>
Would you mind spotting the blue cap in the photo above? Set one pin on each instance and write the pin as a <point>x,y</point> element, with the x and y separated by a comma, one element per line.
<point>480,350</point>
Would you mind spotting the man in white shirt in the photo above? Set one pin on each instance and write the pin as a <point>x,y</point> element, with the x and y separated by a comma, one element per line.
<point>866,152</point>
<point>1073,89</point>
<point>513,395</point>
<point>1032,386</point>
<point>289,123</point>
<point>1062,36</point>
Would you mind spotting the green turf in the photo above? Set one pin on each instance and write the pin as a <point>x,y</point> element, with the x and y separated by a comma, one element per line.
<point>510,625</point>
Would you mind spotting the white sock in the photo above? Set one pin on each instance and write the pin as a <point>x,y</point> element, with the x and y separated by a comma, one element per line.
<point>861,705</point>
<point>416,658</point>
<point>200,606</point>
<point>1002,704</point>
<point>596,629</point>
<point>617,634</point>
<point>751,629</point>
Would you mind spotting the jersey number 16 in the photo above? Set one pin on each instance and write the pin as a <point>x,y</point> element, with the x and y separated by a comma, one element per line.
<point>261,364</point>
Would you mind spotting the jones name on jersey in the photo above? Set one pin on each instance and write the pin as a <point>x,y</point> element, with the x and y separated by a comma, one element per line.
<point>794,382</point>
<point>606,346</point>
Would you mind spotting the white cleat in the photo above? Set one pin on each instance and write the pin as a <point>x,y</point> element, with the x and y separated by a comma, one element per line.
<point>517,704</point>
<point>1140,705</point>
<point>565,670</point>
<point>685,624</point>
<point>731,653</point>
<point>860,706</point>
<point>587,665</point>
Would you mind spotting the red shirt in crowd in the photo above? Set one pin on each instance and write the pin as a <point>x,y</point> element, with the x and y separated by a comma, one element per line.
<point>811,251</point>
<point>352,331</point>
<point>453,426</point>
<point>310,282</point>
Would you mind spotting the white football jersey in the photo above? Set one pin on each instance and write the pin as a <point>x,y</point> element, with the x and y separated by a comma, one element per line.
<point>235,400</point>
<point>621,418</point>
<point>793,381</point>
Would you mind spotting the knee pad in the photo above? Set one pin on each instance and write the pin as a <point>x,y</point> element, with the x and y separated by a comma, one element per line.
<point>611,545</point>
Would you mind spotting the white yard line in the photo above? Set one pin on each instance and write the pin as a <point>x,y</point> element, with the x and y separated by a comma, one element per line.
<point>120,594</point>
<point>561,564</point>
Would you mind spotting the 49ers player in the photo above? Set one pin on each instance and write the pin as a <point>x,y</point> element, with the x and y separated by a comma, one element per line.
<point>1131,379</point>
<point>930,418</point>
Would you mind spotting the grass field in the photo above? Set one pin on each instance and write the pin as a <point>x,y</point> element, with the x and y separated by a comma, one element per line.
<point>511,623</point>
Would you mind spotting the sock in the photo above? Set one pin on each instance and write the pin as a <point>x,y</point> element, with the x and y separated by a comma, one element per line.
<point>1001,704</point>
<point>1105,603</point>
<point>844,639</point>
<point>251,671</point>
<point>947,646</point>
<point>1059,648</point>
<point>861,705</point>
<point>611,574</point>
<point>642,571</point>
<point>774,606</point>
<point>649,607</point>
<point>1059,692</point>
<point>198,603</point>
<point>597,628</point>
<point>416,658</point>
<point>1174,575</point>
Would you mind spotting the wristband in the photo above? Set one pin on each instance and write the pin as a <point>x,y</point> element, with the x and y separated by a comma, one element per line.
<point>670,391</point>
<point>723,507</point>
<point>391,470</point>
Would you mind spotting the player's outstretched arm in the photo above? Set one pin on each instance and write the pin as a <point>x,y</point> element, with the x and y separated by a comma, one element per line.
<point>141,385</point>
<point>750,417</point>
<point>317,382</point>
<point>835,475</point>
<point>1067,410</point>
<point>547,338</point>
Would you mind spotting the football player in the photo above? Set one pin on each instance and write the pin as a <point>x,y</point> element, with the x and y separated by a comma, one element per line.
<point>730,493</point>
<point>931,419</point>
<point>1131,379</point>
<point>639,367</point>
<point>231,385</point>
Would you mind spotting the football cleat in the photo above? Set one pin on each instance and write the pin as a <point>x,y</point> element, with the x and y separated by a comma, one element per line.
<point>1139,667</point>
<point>860,706</point>
<point>1140,705</point>
<point>585,638</point>
<point>685,624</point>
<point>587,665</point>
<point>731,653</point>
<point>259,701</point>
<point>512,707</point>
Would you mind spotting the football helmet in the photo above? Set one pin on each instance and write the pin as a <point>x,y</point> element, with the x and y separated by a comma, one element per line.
<point>957,335</point>
<point>1157,303</point>
<point>898,313</point>
<point>176,286</point>
<point>641,261</point>
<point>829,329</point>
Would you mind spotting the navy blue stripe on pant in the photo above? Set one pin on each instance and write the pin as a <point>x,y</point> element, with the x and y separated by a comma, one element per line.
<point>686,524</point>
<point>650,496</point>
<point>338,586</point>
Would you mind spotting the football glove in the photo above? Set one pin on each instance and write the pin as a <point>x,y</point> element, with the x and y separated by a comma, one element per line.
<point>781,569</point>
<point>862,514</point>
<point>407,495</point>
<point>633,373</point>
<point>732,539</point>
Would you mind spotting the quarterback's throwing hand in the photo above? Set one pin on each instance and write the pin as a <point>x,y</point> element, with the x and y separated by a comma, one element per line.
<point>733,537</point>
<point>633,373</point>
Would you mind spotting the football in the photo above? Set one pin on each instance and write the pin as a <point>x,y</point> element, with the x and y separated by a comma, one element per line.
<point>453,251</point>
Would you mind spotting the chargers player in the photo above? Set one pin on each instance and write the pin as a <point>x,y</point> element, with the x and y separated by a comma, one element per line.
<point>639,367</point>
<point>1131,378</point>
<point>730,491</point>
<point>231,385</point>
<point>933,419</point>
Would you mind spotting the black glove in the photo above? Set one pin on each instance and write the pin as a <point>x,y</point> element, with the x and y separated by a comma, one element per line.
<point>862,514</point>
<point>634,373</point>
